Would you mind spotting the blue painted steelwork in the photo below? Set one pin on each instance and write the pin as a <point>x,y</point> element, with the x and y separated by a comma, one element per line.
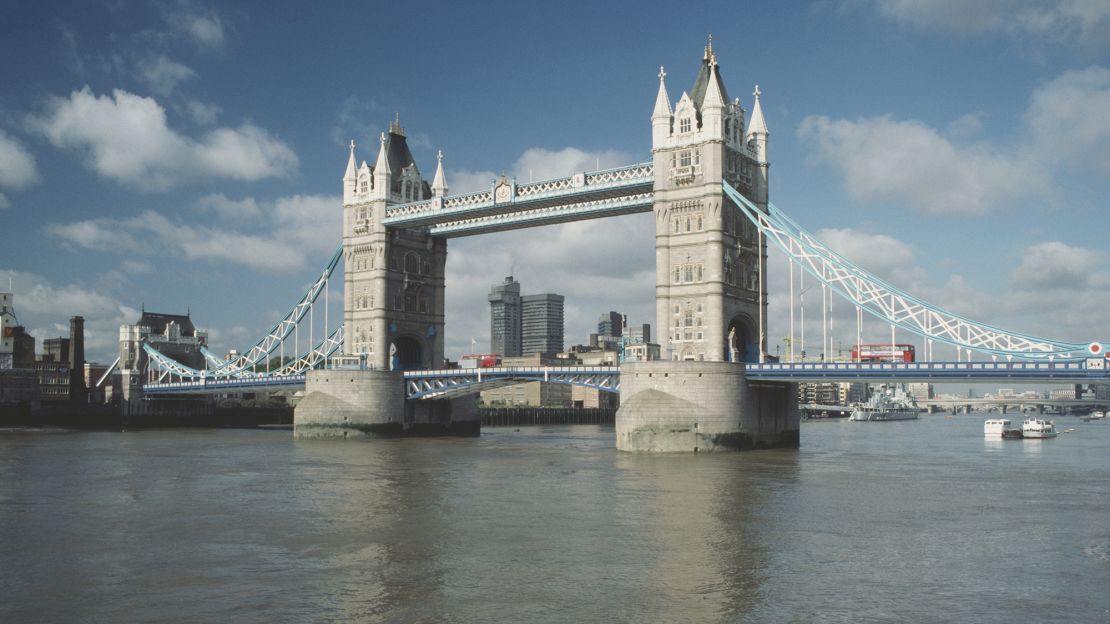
<point>211,386</point>
<point>1069,371</point>
<point>891,304</point>
<point>612,192</point>
<point>455,382</point>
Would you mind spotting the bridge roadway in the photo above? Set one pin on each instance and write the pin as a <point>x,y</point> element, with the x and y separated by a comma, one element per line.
<point>454,382</point>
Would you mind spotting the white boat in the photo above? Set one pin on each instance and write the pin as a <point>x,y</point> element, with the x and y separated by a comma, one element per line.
<point>1000,428</point>
<point>887,402</point>
<point>1097,415</point>
<point>1038,428</point>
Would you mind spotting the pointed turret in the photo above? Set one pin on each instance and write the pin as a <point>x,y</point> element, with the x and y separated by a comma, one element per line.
<point>714,96</point>
<point>350,178</point>
<point>439,183</point>
<point>757,129</point>
<point>382,172</point>
<point>662,115</point>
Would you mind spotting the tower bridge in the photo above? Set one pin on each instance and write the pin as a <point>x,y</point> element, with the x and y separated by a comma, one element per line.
<point>707,186</point>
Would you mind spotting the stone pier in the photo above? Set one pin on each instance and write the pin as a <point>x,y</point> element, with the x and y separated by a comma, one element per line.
<point>703,406</point>
<point>371,403</point>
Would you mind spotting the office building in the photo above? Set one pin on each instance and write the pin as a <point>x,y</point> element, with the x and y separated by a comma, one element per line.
<point>541,323</point>
<point>505,318</point>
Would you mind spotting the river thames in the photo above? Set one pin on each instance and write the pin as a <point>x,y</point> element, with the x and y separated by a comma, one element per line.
<point>915,521</point>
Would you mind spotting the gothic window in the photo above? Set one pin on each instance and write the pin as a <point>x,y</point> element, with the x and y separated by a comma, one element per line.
<point>684,124</point>
<point>699,223</point>
<point>412,263</point>
<point>687,224</point>
<point>423,304</point>
<point>365,188</point>
<point>699,308</point>
<point>689,273</point>
<point>697,157</point>
<point>728,269</point>
<point>675,228</point>
<point>684,158</point>
<point>697,273</point>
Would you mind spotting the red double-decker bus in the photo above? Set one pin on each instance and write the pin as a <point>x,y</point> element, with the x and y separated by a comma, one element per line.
<point>883,353</point>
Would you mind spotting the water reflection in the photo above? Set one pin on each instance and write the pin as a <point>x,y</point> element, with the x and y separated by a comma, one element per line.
<point>703,519</point>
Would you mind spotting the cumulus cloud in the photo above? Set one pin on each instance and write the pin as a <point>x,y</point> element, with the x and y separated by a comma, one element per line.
<point>1057,21</point>
<point>125,137</point>
<point>1069,121</point>
<point>299,229</point>
<point>882,158</point>
<point>17,166</point>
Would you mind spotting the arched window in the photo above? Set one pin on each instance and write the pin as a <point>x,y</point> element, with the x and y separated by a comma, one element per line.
<point>687,224</point>
<point>684,124</point>
<point>689,273</point>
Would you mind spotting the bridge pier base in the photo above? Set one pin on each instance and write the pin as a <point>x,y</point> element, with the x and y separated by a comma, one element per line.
<point>371,403</point>
<point>703,406</point>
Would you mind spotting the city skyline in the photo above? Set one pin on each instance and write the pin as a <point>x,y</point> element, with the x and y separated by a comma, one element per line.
<point>177,157</point>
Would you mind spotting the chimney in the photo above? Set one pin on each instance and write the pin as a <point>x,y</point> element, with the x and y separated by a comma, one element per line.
<point>77,390</point>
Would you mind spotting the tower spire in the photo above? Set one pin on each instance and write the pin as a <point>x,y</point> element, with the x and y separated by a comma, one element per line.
<point>662,100</point>
<point>382,172</point>
<point>439,183</point>
<point>351,166</point>
<point>758,124</point>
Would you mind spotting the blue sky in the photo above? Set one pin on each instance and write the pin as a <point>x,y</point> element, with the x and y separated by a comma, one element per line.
<point>188,155</point>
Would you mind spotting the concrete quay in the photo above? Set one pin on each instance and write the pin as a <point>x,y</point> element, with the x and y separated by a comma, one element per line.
<point>683,407</point>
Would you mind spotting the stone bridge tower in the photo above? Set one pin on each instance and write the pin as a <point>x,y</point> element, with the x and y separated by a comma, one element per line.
<point>392,278</point>
<point>710,270</point>
<point>709,257</point>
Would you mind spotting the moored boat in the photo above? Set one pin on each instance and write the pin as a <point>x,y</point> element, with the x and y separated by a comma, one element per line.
<point>1038,428</point>
<point>1000,428</point>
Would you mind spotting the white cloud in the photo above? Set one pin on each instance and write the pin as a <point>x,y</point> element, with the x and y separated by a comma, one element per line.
<point>1053,265</point>
<point>537,164</point>
<point>1069,119</point>
<point>203,114</point>
<point>882,255</point>
<point>885,159</point>
<point>17,166</point>
<point>543,164</point>
<point>299,230</point>
<point>162,75</point>
<point>240,210</point>
<point>45,307</point>
<point>205,28</point>
<point>1057,21</point>
<point>125,137</point>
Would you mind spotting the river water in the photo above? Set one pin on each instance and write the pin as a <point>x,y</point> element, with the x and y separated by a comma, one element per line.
<point>917,521</point>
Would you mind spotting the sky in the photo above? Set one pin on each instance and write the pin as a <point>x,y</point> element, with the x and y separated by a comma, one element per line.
<point>187,156</point>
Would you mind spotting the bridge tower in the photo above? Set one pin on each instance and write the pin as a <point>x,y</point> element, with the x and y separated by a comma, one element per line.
<point>708,256</point>
<point>393,312</point>
<point>392,278</point>
<point>710,273</point>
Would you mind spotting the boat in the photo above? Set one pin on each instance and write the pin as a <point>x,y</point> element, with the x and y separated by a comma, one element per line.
<point>887,402</point>
<point>1038,428</point>
<point>1000,428</point>
<point>1096,415</point>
